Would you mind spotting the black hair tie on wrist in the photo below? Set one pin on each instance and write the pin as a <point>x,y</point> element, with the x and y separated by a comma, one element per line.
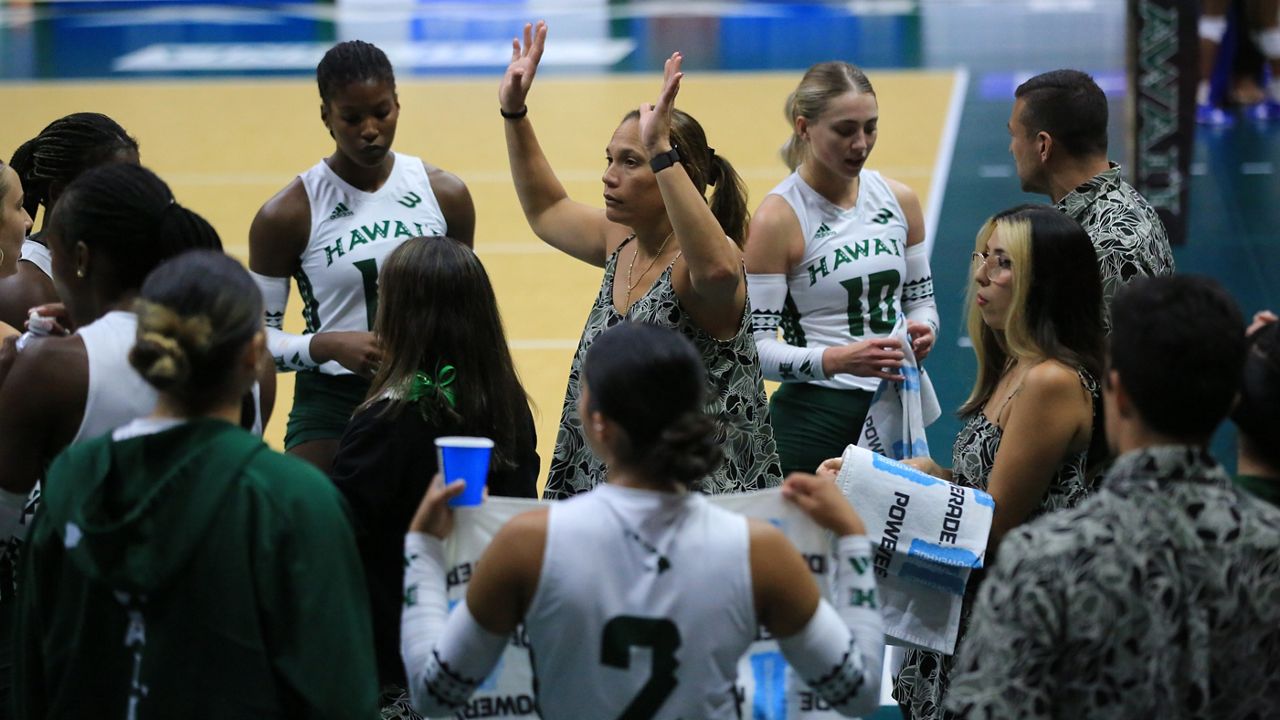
<point>517,115</point>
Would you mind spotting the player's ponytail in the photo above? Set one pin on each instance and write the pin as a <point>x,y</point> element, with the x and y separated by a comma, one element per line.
<point>196,313</point>
<point>126,213</point>
<point>729,201</point>
<point>652,382</point>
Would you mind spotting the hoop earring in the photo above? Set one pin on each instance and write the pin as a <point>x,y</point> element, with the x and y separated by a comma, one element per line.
<point>1,256</point>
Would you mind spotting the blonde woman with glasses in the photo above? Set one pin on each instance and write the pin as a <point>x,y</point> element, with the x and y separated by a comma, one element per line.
<point>1035,319</point>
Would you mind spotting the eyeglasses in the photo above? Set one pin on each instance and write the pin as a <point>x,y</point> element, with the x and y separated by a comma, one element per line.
<point>998,267</point>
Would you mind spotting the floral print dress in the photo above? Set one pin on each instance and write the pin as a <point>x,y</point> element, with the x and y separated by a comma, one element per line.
<point>735,394</point>
<point>923,679</point>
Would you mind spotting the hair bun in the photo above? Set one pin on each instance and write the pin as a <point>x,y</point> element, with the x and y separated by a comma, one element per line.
<point>165,343</point>
<point>160,360</point>
<point>687,451</point>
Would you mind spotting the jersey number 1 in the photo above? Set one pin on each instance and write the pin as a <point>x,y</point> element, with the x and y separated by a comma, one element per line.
<point>369,275</point>
<point>662,637</point>
<point>882,288</point>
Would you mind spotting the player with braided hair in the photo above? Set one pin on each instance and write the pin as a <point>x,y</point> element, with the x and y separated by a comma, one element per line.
<point>46,165</point>
<point>330,229</point>
<point>112,226</point>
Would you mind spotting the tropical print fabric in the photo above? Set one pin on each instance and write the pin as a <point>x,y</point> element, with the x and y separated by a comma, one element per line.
<point>1158,596</point>
<point>735,396</point>
<point>922,682</point>
<point>1127,233</point>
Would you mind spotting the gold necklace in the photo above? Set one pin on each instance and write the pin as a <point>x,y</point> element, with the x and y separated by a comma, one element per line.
<point>632,286</point>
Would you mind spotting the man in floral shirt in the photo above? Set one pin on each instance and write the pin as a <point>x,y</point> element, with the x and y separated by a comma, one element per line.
<point>1159,596</point>
<point>1058,139</point>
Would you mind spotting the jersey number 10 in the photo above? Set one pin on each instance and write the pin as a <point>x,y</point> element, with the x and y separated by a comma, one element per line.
<point>882,290</point>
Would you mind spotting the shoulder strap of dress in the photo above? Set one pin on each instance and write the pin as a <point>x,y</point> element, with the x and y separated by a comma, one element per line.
<point>614,255</point>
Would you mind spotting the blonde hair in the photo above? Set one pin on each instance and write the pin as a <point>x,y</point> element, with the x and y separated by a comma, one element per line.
<point>995,348</point>
<point>166,341</point>
<point>1055,306</point>
<point>821,84</point>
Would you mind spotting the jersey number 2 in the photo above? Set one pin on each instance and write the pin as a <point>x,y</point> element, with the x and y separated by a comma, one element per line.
<point>882,288</point>
<point>662,637</point>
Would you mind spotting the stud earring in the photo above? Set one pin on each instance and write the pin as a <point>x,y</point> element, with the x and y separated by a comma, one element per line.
<point>79,272</point>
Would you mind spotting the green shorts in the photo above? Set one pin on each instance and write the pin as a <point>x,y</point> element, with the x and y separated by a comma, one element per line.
<point>322,406</point>
<point>812,423</point>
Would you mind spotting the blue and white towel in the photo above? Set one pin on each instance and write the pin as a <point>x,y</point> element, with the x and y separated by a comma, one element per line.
<point>901,410</point>
<point>928,536</point>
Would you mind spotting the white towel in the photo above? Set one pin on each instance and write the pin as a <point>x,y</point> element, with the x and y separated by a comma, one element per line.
<point>767,687</point>
<point>901,410</point>
<point>928,535</point>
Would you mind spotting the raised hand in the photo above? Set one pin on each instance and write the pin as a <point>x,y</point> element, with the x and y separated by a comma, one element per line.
<point>525,57</point>
<point>655,120</point>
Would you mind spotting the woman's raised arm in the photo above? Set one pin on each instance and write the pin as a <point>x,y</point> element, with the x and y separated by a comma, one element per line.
<point>568,226</point>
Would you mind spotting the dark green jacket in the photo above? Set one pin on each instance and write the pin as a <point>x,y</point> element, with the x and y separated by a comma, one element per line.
<point>192,573</point>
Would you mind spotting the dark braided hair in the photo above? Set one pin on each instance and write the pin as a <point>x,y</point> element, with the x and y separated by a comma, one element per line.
<point>65,148</point>
<point>349,62</point>
<point>128,214</point>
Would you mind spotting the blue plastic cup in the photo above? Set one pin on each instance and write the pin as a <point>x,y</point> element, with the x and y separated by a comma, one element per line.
<point>465,458</point>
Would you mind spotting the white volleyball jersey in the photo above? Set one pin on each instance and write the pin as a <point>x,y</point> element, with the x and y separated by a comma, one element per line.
<point>847,286</point>
<point>39,255</point>
<point>644,602</point>
<point>352,231</point>
<point>117,393</point>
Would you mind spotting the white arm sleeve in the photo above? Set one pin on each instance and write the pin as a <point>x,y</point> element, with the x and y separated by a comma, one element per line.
<point>291,352</point>
<point>778,360</point>
<point>446,655</point>
<point>917,292</point>
<point>840,653</point>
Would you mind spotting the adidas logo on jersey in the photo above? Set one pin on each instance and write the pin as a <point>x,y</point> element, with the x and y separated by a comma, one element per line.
<point>824,232</point>
<point>340,211</point>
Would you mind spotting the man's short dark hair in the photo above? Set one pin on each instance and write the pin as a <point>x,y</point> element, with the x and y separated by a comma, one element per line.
<point>1069,106</point>
<point>1178,345</point>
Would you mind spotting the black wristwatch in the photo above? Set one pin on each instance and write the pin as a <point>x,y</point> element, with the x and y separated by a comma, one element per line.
<point>662,161</point>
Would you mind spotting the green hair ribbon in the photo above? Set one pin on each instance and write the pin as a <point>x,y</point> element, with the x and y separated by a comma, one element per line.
<point>424,385</point>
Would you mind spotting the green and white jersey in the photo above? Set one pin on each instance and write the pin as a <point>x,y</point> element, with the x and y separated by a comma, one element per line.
<point>352,231</point>
<point>848,285</point>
